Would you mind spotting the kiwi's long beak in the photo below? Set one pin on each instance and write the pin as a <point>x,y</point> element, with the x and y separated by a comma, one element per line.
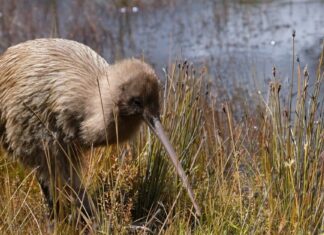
<point>155,125</point>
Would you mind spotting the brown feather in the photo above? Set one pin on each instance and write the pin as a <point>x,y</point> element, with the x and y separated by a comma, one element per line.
<point>58,98</point>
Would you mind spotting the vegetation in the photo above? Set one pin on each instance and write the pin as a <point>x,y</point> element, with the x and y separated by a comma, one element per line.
<point>260,171</point>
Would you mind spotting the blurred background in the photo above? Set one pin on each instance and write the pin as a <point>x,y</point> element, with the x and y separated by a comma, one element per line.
<point>256,166</point>
<point>237,42</point>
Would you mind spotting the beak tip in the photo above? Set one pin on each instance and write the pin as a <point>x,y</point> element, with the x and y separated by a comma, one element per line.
<point>155,124</point>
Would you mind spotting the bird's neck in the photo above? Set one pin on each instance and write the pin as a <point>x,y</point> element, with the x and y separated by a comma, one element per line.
<point>102,107</point>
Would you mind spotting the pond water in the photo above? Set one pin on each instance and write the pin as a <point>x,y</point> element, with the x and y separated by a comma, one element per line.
<point>238,41</point>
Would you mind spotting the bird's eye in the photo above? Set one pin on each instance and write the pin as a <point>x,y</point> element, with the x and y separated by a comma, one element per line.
<point>137,102</point>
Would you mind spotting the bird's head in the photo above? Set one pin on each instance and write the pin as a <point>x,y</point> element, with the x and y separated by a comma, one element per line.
<point>139,93</point>
<point>139,101</point>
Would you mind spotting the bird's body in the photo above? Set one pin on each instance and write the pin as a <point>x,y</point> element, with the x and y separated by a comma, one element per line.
<point>51,92</point>
<point>56,83</point>
<point>58,99</point>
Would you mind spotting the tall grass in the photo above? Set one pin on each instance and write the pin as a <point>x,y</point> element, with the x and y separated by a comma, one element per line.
<point>261,172</point>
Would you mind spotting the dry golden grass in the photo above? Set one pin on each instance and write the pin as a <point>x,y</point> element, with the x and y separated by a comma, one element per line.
<point>261,172</point>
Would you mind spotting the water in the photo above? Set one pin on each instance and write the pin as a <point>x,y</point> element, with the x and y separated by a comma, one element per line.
<point>239,43</point>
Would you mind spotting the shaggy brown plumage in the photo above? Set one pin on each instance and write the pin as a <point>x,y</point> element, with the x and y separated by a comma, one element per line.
<point>58,98</point>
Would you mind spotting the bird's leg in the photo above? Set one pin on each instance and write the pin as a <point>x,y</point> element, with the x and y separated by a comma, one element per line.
<point>84,217</point>
<point>45,187</point>
<point>83,200</point>
<point>75,188</point>
<point>49,200</point>
<point>45,184</point>
<point>59,185</point>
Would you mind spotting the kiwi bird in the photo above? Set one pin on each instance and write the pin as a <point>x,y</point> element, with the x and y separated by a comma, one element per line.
<point>59,99</point>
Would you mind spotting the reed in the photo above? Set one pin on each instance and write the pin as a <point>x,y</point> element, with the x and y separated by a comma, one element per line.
<point>259,171</point>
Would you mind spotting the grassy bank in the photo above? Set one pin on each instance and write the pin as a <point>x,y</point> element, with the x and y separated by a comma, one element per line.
<point>258,172</point>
